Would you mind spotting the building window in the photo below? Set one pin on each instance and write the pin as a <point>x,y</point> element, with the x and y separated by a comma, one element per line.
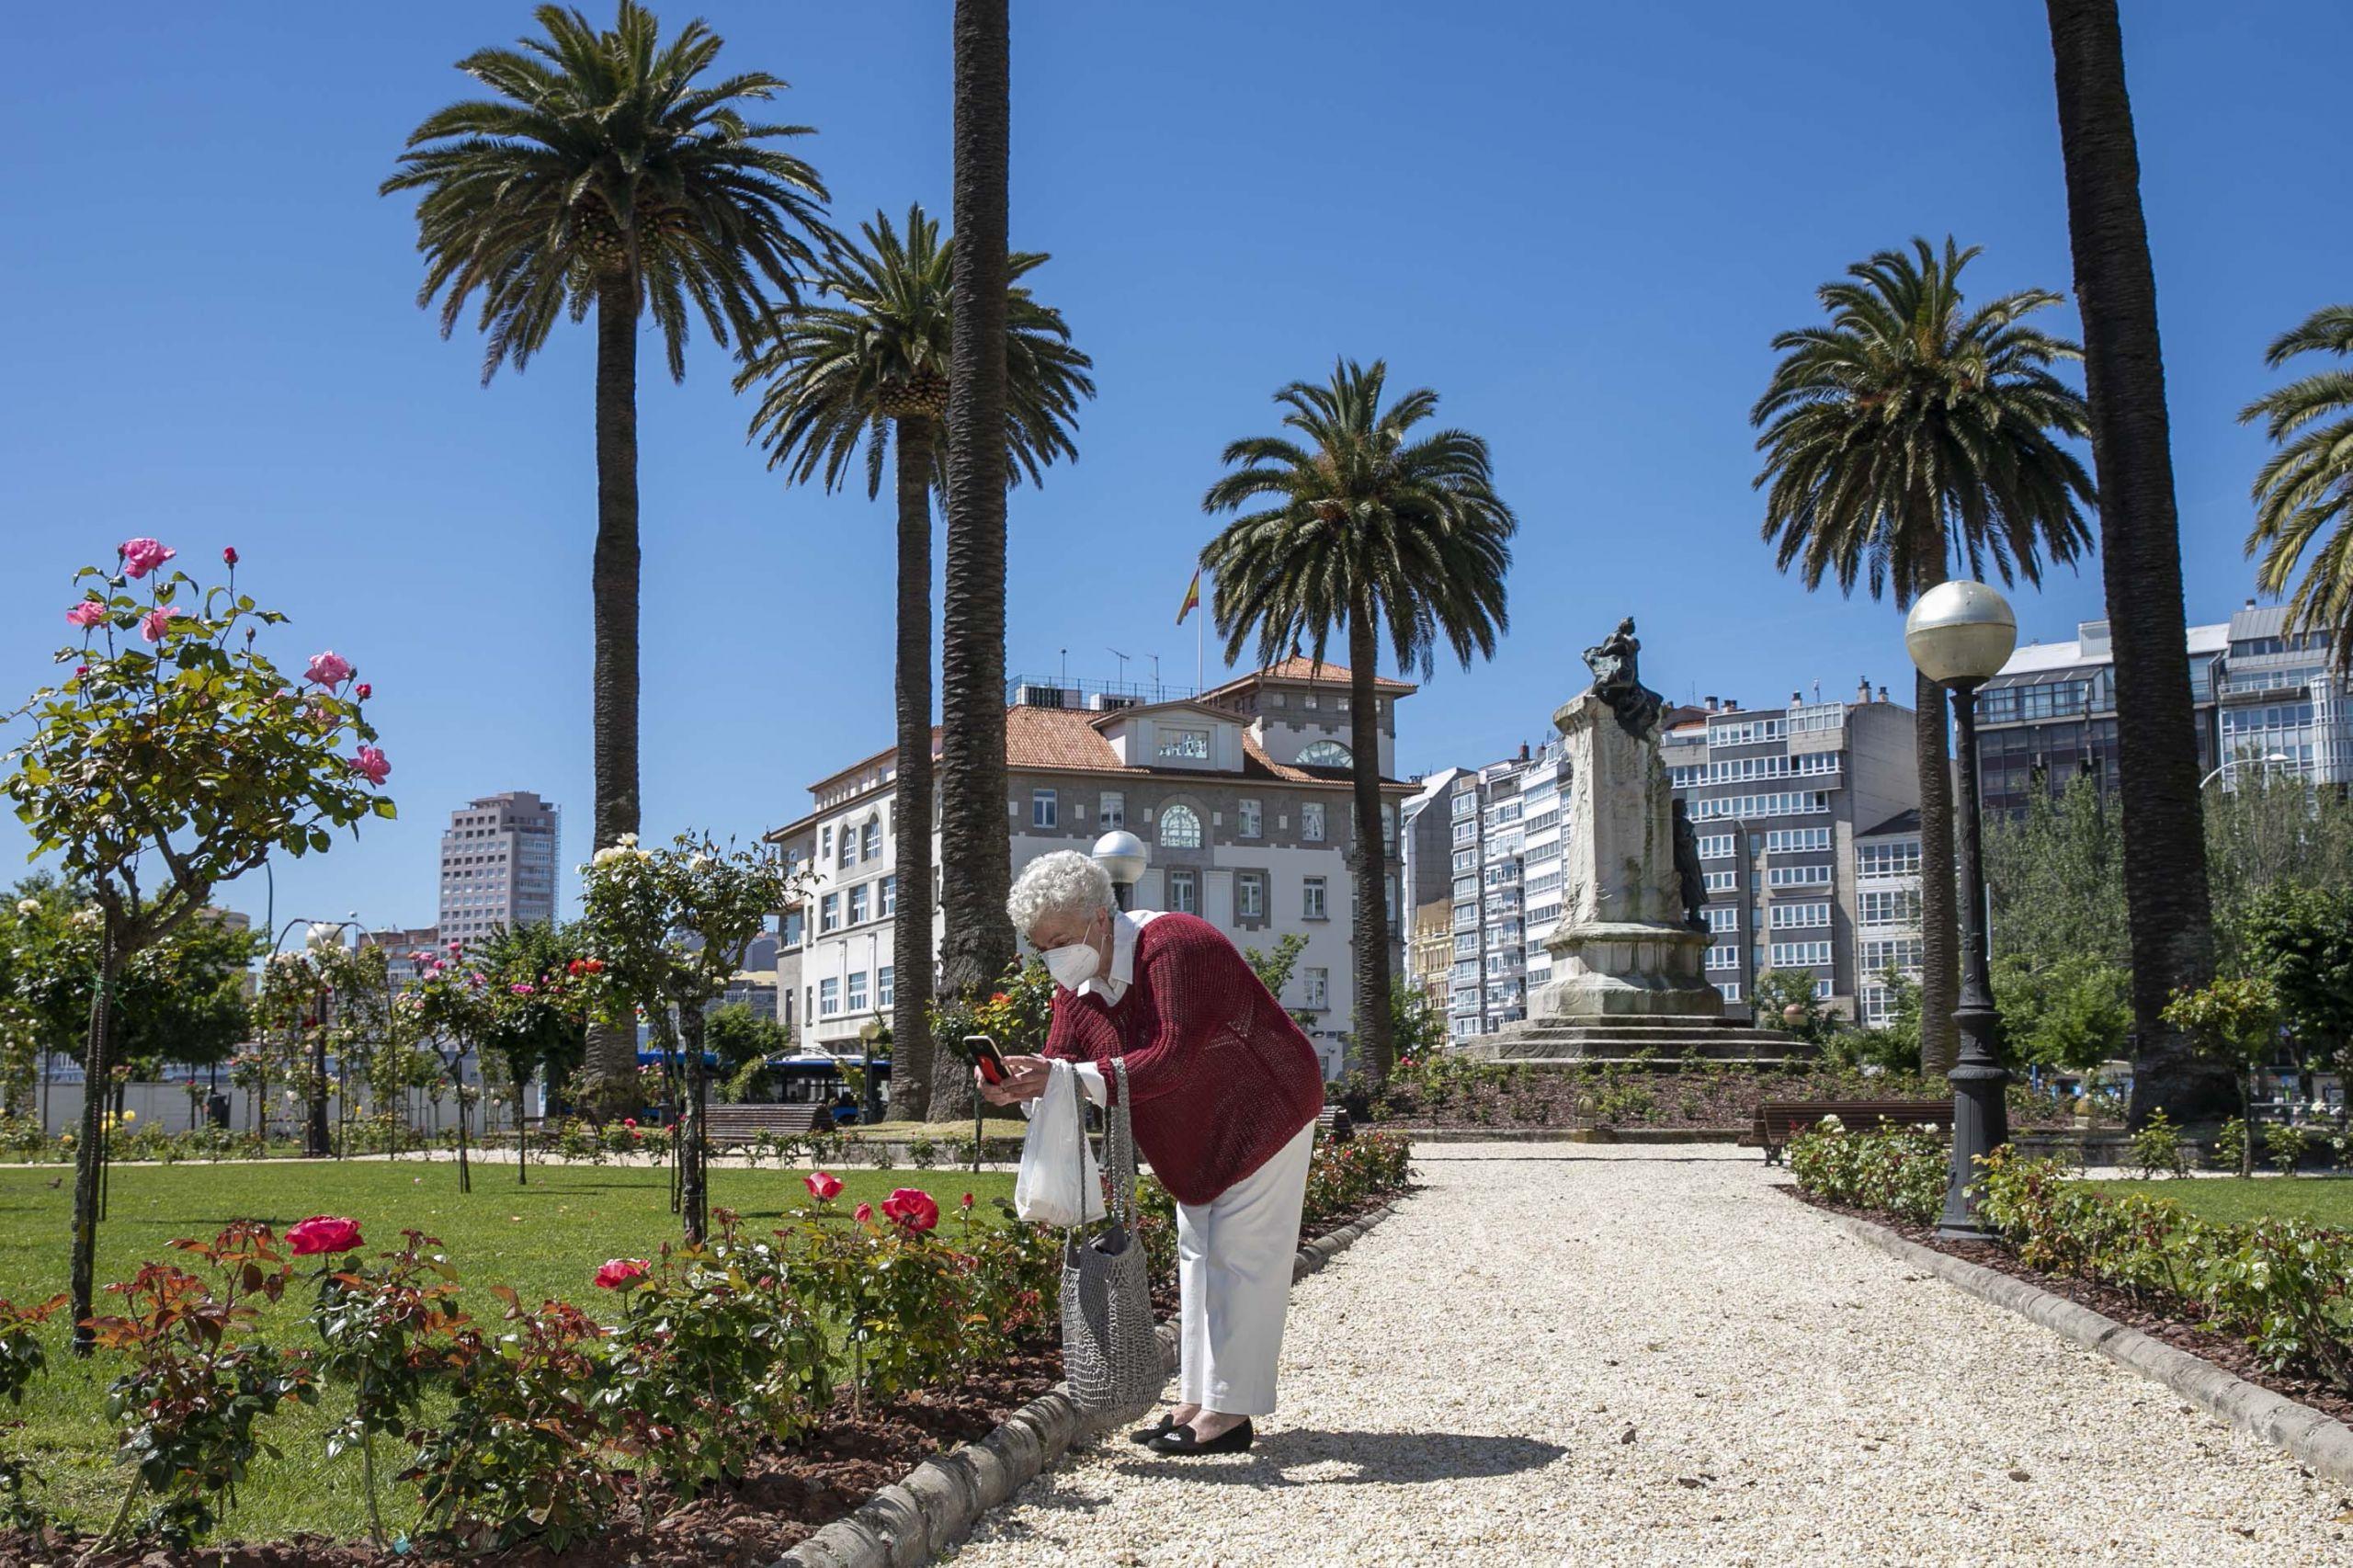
<point>1250,896</point>
<point>1185,892</point>
<point>890,895</point>
<point>1722,881</point>
<point>1184,745</point>
<point>850,847</point>
<point>1796,840</point>
<point>869,841</point>
<point>1388,827</point>
<point>1897,906</point>
<point>1180,827</point>
<point>1326,754</point>
<point>1112,810</point>
<point>1788,916</point>
<point>1822,991</point>
<point>1798,876</point>
<point>857,992</point>
<point>1042,808</point>
<point>829,913</point>
<point>825,844</point>
<point>1799,955</point>
<point>858,898</point>
<point>829,998</point>
<point>1389,897</point>
<point>1897,858</point>
<point>883,994</point>
<point>1316,986</point>
<point>1719,845</point>
<point>1726,956</point>
<point>1311,821</point>
<point>1729,990</point>
<point>1312,900</point>
<point>1721,918</point>
<point>1901,954</point>
<point>1251,818</point>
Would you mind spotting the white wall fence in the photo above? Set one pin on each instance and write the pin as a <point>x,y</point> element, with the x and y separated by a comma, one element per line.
<point>165,1104</point>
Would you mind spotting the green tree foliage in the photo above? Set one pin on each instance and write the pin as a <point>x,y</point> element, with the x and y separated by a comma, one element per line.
<point>1907,436</point>
<point>1416,1027</point>
<point>1785,1000</point>
<point>2300,941</point>
<point>2055,877</point>
<point>2270,829</point>
<point>2303,494</point>
<point>1353,524</point>
<point>2236,1020</point>
<point>739,1038</point>
<point>2072,1011</point>
<point>1274,970</point>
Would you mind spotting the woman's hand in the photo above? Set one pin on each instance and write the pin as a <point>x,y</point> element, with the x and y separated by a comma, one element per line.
<point>1029,1076</point>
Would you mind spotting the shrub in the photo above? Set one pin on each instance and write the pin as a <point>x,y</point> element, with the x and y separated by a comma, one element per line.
<point>1902,1171</point>
<point>2284,1143</point>
<point>2158,1147</point>
<point>2230,1145</point>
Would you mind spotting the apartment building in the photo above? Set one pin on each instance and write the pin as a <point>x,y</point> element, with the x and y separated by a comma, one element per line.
<point>1242,795</point>
<point>1887,913</point>
<point>400,945</point>
<point>1504,838</point>
<point>1429,952</point>
<point>1780,797</point>
<point>498,865</point>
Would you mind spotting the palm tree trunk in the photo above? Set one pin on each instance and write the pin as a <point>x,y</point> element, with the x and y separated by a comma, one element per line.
<point>1940,902</point>
<point>976,850</point>
<point>2164,846</point>
<point>911,932</point>
<point>1369,930</point>
<point>613,577</point>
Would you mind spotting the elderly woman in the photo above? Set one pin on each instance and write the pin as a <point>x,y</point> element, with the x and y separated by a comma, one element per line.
<point>1223,1091</point>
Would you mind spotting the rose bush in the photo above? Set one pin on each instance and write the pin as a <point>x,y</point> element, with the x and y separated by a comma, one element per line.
<point>1900,1171</point>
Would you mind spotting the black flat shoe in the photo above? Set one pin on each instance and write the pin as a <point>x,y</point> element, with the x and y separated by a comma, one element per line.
<point>1147,1434</point>
<point>1181,1441</point>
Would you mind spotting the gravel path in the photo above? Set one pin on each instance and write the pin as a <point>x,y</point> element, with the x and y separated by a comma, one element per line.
<point>1648,1356</point>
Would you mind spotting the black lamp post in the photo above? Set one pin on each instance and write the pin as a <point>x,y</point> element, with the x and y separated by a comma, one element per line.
<point>1960,635</point>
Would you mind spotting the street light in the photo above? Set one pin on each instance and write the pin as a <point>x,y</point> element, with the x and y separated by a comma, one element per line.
<point>2273,760</point>
<point>1960,635</point>
<point>1122,854</point>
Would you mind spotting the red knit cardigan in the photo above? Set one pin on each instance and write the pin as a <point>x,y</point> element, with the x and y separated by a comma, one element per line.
<point>1218,1076</point>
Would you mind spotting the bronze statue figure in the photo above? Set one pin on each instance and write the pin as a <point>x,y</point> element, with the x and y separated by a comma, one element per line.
<point>1688,870</point>
<point>1617,681</point>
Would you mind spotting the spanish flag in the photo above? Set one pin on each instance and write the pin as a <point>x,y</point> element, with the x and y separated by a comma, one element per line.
<point>1193,597</point>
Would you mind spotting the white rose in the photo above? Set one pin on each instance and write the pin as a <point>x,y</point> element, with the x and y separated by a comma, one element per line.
<point>29,906</point>
<point>626,841</point>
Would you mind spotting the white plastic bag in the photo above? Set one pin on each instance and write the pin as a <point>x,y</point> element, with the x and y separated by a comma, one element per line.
<point>1060,1182</point>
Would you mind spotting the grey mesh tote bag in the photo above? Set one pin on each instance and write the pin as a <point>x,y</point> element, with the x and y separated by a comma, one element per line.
<point>1110,1355</point>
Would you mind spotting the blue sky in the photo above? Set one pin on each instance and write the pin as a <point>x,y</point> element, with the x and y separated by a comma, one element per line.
<point>1580,225</point>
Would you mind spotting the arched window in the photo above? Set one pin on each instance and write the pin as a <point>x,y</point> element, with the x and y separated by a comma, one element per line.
<point>1326,754</point>
<point>1181,828</point>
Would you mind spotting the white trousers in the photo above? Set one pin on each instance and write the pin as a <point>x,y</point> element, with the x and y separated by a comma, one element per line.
<point>1234,1259</point>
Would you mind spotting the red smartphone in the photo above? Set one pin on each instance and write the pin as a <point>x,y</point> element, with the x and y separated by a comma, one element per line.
<point>987,1058</point>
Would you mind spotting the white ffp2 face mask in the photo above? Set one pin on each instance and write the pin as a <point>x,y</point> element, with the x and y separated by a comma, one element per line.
<point>1073,965</point>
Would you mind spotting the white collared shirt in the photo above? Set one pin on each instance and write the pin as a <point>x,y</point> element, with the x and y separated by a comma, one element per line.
<point>1125,923</point>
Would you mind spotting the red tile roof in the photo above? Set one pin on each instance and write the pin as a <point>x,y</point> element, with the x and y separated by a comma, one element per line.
<point>1299,667</point>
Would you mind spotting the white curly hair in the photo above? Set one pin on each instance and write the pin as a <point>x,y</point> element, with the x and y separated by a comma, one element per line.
<point>1064,882</point>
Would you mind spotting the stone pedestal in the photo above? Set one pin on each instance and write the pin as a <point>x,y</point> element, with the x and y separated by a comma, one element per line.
<point>1622,948</point>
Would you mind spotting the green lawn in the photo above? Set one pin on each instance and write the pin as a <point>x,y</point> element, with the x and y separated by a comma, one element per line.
<point>545,1240</point>
<point>2328,1200</point>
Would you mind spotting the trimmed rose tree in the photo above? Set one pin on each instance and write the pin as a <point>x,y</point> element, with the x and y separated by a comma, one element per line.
<point>173,757</point>
<point>670,927</point>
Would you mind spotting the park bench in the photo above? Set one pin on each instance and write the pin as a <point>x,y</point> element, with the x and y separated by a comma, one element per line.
<point>1334,1124</point>
<point>1779,1120</point>
<point>744,1123</point>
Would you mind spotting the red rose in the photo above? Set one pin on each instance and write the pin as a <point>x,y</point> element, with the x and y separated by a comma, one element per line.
<point>323,1232</point>
<point>968,1200</point>
<point>230,555</point>
<point>824,1186</point>
<point>912,1209</point>
<point>363,692</point>
<point>620,1272</point>
<point>863,1212</point>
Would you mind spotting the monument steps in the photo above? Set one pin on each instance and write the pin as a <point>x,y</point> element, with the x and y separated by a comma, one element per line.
<point>1658,1042</point>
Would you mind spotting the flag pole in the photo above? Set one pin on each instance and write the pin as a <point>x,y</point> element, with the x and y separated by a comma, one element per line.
<point>1197,654</point>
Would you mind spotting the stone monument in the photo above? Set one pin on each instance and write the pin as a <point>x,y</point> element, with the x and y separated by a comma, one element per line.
<point>1628,957</point>
<point>1631,941</point>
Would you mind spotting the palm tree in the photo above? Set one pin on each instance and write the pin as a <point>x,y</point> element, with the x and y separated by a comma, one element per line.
<point>1352,523</point>
<point>2168,904</point>
<point>976,840</point>
<point>608,174</point>
<point>2306,490</point>
<point>1908,435</point>
<point>840,377</point>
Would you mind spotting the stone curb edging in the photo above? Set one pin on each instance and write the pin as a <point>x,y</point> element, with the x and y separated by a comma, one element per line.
<point>913,1520</point>
<point>1562,1134</point>
<point>2314,1439</point>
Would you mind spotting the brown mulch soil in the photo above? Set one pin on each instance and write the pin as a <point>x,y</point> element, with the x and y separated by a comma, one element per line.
<point>2220,1346</point>
<point>790,1494</point>
<point>1667,1095</point>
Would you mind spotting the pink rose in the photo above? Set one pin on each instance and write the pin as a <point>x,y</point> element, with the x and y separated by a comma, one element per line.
<point>141,556</point>
<point>863,1213</point>
<point>81,669</point>
<point>329,668</point>
<point>620,1272</point>
<point>154,623</point>
<point>323,1232</point>
<point>230,556</point>
<point>629,1122</point>
<point>824,1186</point>
<point>371,765</point>
<point>521,989</point>
<point>88,613</point>
<point>912,1209</point>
